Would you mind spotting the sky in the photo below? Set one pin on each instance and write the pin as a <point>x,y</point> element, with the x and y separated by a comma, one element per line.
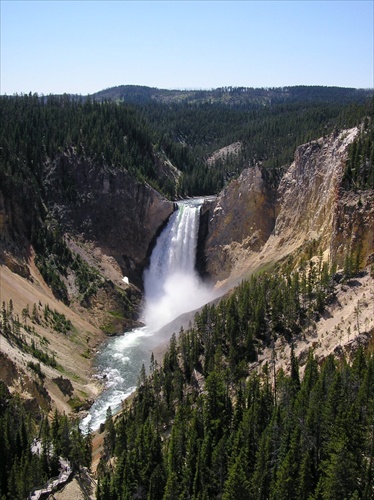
<point>81,47</point>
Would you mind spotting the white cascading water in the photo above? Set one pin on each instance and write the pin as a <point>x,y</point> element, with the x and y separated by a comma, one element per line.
<point>172,287</point>
<point>171,284</point>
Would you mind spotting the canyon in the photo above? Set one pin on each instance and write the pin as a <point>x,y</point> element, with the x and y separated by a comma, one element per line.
<point>112,222</point>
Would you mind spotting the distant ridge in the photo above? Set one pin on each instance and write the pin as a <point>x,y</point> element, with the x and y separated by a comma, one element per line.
<point>137,94</point>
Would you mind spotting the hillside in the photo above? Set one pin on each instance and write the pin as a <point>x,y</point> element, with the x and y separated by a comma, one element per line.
<point>251,224</point>
<point>231,96</point>
<point>82,201</point>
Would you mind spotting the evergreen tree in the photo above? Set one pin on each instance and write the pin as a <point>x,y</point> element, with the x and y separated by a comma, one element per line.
<point>237,485</point>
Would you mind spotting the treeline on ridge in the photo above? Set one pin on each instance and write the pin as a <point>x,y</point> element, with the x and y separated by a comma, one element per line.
<point>131,135</point>
<point>269,134</point>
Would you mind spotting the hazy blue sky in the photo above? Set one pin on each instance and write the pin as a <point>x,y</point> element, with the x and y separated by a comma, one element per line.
<point>84,46</point>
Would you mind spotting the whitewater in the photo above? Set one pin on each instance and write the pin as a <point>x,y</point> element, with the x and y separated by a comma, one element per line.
<point>171,288</point>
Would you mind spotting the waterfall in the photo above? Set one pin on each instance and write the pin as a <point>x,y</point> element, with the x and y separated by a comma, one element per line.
<point>171,284</point>
<point>175,249</point>
<point>172,287</point>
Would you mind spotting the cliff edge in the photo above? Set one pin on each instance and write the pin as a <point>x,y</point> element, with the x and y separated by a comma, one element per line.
<point>251,226</point>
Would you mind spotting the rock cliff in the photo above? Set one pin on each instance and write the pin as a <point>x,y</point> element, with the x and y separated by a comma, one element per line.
<point>251,226</point>
<point>107,207</point>
<point>353,227</point>
<point>239,222</point>
<point>309,193</point>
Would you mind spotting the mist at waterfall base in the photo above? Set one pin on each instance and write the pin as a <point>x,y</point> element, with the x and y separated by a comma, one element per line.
<point>171,288</point>
<point>171,283</point>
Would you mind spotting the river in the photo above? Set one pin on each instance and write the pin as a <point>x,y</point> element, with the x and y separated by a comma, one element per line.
<point>171,288</point>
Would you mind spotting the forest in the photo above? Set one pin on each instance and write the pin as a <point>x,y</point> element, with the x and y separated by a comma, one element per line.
<point>206,426</point>
<point>21,470</point>
<point>129,135</point>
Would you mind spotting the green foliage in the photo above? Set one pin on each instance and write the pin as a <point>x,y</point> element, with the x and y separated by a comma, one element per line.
<point>211,430</point>
<point>41,355</point>
<point>268,128</point>
<point>39,129</point>
<point>10,327</point>
<point>36,368</point>
<point>233,96</point>
<point>359,168</point>
<point>315,441</point>
<point>20,469</point>
<point>57,321</point>
<point>54,260</point>
<point>269,123</point>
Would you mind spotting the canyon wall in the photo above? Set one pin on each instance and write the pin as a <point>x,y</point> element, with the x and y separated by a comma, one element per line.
<point>108,207</point>
<point>110,221</point>
<point>237,223</point>
<point>250,226</point>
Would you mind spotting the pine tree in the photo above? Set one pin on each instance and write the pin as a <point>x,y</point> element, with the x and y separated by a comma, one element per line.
<point>110,434</point>
<point>237,485</point>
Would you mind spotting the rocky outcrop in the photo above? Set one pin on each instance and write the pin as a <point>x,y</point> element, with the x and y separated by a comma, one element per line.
<point>250,226</point>
<point>309,192</point>
<point>15,226</point>
<point>166,171</point>
<point>107,206</point>
<point>239,222</point>
<point>225,153</point>
<point>353,227</point>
